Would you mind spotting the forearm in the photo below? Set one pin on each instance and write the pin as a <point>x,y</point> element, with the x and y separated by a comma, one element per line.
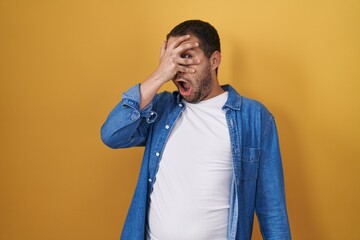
<point>149,88</point>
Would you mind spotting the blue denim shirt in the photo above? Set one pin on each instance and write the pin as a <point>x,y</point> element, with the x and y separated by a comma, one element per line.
<point>257,185</point>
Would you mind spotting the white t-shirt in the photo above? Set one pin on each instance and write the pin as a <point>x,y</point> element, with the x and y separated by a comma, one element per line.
<point>191,195</point>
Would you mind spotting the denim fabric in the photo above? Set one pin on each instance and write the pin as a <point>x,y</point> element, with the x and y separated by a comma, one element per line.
<point>257,186</point>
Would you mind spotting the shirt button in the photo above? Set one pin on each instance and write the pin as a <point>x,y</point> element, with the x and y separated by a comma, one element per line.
<point>180,104</point>
<point>134,116</point>
<point>167,126</point>
<point>149,180</point>
<point>157,154</point>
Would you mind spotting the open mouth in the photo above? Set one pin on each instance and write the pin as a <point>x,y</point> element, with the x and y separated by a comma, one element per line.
<point>184,87</point>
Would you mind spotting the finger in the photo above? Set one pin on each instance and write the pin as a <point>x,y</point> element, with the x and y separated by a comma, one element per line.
<point>178,41</point>
<point>186,69</point>
<point>162,49</point>
<point>187,61</point>
<point>186,46</point>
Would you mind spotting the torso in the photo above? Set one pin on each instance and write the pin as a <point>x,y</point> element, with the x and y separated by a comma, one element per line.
<point>191,195</point>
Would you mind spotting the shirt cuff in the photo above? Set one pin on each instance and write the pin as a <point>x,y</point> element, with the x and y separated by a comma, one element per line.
<point>131,98</point>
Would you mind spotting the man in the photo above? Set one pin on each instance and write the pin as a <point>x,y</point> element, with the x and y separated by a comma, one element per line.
<point>212,157</point>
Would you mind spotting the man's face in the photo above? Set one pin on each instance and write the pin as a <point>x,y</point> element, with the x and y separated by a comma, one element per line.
<point>195,87</point>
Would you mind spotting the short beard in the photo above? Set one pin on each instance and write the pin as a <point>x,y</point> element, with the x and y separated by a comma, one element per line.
<point>204,88</point>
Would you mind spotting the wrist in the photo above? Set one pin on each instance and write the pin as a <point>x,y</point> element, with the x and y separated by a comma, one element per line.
<point>157,78</point>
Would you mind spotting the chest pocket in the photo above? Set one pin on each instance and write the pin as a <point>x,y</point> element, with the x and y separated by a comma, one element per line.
<point>249,164</point>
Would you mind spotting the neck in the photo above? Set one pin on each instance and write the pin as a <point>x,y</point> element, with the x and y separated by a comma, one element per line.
<point>216,91</point>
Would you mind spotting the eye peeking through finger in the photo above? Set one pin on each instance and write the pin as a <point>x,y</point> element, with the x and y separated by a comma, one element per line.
<point>186,55</point>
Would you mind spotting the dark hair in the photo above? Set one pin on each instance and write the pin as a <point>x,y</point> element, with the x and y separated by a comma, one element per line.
<point>207,34</point>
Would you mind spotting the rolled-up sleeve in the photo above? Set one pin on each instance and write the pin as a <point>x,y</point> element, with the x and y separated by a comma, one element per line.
<point>127,125</point>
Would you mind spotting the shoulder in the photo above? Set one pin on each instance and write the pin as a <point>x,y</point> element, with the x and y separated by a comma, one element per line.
<point>165,102</point>
<point>253,106</point>
<point>167,98</point>
<point>247,106</point>
<point>255,113</point>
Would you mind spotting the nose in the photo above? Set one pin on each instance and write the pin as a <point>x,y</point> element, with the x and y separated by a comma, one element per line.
<point>179,74</point>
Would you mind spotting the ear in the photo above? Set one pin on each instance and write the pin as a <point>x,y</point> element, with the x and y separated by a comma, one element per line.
<point>215,59</point>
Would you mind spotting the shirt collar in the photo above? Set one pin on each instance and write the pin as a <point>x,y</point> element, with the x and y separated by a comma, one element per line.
<point>234,98</point>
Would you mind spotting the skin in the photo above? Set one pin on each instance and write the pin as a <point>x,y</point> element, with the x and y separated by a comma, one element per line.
<point>183,62</point>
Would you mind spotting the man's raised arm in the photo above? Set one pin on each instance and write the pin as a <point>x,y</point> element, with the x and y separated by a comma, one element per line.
<point>128,123</point>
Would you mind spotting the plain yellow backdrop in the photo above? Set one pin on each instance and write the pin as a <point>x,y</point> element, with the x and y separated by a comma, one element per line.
<point>64,65</point>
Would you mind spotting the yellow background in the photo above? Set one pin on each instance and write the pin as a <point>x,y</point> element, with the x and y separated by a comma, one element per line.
<point>64,65</point>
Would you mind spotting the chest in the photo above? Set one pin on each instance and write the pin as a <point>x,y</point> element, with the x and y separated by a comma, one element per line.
<point>200,133</point>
